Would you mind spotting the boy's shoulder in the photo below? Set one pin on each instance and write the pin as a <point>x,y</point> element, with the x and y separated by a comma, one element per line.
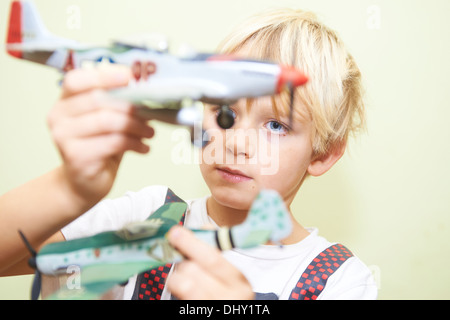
<point>352,281</point>
<point>329,270</point>
<point>346,275</point>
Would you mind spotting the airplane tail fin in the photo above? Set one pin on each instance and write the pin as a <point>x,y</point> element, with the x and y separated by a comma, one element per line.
<point>25,26</point>
<point>268,219</point>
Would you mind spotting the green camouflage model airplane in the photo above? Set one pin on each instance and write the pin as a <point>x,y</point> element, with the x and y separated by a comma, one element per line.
<point>111,258</point>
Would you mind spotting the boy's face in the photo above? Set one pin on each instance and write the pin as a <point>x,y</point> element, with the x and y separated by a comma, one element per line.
<point>259,151</point>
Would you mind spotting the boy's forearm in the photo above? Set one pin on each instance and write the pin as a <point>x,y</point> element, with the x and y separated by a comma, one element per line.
<point>39,209</point>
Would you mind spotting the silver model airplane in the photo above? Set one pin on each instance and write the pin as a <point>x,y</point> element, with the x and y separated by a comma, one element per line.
<point>165,84</point>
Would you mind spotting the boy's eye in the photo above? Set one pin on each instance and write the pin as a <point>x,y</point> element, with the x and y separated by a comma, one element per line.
<point>276,127</point>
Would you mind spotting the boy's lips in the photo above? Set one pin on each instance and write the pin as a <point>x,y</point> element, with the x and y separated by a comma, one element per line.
<point>232,175</point>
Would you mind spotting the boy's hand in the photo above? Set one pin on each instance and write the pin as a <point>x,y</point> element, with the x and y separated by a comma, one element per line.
<point>92,131</point>
<point>205,274</point>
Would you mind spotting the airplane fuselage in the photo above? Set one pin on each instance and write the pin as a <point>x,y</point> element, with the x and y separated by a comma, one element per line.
<point>103,249</point>
<point>205,77</point>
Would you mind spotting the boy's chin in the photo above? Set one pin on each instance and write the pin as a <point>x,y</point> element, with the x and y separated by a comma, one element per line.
<point>237,200</point>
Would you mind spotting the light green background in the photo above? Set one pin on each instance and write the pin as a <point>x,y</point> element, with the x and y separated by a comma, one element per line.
<point>388,199</point>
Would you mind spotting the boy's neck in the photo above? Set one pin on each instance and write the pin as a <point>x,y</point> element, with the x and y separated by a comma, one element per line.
<point>224,216</point>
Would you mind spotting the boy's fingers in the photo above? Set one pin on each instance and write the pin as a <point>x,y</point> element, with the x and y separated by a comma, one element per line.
<point>80,80</point>
<point>88,103</point>
<point>103,146</point>
<point>184,240</point>
<point>189,281</point>
<point>103,122</point>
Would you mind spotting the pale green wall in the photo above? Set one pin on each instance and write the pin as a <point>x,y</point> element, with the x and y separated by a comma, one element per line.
<point>387,199</point>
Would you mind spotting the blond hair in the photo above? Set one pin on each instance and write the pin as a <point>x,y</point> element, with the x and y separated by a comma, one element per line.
<point>333,94</point>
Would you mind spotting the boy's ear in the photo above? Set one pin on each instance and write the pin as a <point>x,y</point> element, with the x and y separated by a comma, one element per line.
<point>322,163</point>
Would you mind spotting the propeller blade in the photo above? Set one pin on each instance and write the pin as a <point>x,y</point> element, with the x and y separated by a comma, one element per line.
<point>291,102</point>
<point>36,287</point>
<point>291,87</point>
<point>27,244</point>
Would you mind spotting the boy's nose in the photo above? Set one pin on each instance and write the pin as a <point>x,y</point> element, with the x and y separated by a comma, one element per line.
<point>241,142</point>
<point>292,76</point>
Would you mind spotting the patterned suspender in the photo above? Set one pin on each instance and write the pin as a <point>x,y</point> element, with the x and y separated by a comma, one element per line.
<point>150,284</point>
<point>315,276</point>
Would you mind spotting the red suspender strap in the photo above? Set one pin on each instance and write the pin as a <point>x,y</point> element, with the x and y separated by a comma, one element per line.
<point>150,284</point>
<point>315,276</point>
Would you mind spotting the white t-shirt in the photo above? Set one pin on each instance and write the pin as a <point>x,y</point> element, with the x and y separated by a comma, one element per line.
<point>273,271</point>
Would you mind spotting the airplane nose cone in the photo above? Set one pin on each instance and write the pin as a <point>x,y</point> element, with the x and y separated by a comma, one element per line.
<point>290,75</point>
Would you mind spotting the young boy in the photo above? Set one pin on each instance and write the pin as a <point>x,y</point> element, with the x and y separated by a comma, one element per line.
<point>92,132</point>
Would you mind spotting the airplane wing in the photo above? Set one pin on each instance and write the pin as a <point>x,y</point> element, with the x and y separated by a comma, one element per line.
<point>157,93</point>
<point>157,224</point>
<point>96,280</point>
<point>172,211</point>
<point>44,46</point>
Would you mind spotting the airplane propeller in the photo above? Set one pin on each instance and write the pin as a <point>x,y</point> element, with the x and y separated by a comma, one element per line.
<point>36,287</point>
<point>225,117</point>
<point>291,88</point>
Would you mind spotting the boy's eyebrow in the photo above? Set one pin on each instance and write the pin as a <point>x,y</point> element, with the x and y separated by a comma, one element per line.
<point>274,107</point>
<point>279,112</point>
<point>300,116</point>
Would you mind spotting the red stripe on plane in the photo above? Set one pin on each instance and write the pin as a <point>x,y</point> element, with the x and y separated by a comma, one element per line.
<point>15,28</point>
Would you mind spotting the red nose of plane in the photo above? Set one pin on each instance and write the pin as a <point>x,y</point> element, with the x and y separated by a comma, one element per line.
<point>290,75</point>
